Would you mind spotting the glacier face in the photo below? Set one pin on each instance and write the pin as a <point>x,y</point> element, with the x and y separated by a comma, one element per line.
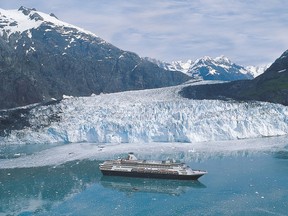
<point>157,115</point>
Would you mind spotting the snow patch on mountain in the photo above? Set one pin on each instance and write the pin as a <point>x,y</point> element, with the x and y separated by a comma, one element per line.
<point>181,66</point>
<point>158,115</point>
<point>257,70</point>
<point>281,71</point>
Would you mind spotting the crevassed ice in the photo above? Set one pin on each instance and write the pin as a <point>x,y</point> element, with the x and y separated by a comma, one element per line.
<point>158,115</point>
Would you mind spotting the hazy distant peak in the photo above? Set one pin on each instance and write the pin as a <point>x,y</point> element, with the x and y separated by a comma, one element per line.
<point>26,10</point>
<point>53,15</point>
<point>207,58</point>
<point>222,59</point>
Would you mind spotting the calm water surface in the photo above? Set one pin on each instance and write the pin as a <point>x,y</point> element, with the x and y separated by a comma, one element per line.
<point>255,184</point>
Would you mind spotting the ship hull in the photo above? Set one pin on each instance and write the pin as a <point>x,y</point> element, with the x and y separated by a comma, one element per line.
<point>151,175</point>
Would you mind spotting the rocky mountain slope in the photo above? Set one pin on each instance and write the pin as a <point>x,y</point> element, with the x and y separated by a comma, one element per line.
<point>207,68</point>
<point>271,86</point>
<point>42,58</point>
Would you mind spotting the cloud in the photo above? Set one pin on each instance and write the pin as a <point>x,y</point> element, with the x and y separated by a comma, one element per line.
<point>249,32</point>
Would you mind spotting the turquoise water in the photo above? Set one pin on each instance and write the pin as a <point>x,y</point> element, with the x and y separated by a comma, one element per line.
<point>255,184</point>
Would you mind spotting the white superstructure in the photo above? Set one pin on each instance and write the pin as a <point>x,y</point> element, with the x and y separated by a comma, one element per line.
<point>149,168</point>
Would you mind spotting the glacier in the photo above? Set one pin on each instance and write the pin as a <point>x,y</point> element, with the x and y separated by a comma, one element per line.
<point>146,116</point>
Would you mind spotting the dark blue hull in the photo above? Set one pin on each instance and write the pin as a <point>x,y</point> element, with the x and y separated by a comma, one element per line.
<point>151,175</point>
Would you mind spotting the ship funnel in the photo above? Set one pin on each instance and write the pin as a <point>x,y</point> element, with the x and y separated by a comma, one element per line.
<point>131,156</point>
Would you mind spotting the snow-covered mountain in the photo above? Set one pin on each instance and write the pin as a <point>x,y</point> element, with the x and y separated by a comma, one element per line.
<point>28,19</point>
<point>156,115</point>
<point>44,58</point>
<point>207,68</point>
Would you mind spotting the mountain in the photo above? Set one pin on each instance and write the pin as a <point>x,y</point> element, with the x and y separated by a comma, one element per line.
<point>220,68</point>
<point>206,68</point>
<point>44,58</point>
<point>271,86</point>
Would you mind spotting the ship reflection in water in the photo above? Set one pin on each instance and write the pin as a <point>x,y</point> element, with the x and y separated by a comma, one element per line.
<point>148,185</point>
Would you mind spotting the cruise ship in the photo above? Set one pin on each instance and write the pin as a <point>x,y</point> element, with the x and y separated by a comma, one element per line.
<point>132,167</point>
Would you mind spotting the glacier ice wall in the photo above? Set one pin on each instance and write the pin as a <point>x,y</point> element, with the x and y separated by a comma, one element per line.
<point>157,115</point>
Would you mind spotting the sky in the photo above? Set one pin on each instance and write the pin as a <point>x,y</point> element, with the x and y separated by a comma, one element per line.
<point>248,32</point>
